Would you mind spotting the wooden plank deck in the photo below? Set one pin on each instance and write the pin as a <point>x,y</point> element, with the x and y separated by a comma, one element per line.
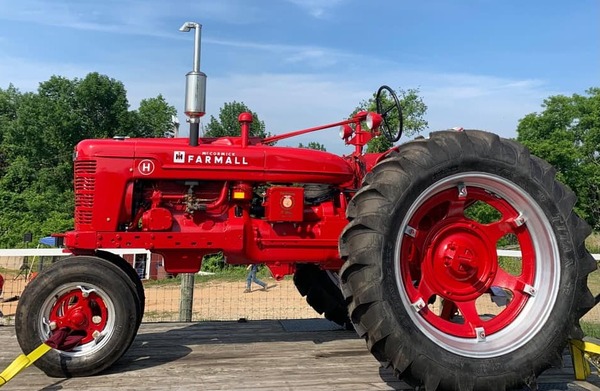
<point>307,354</point>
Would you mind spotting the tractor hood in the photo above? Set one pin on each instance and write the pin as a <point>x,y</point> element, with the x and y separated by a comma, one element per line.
<point>220,159</point>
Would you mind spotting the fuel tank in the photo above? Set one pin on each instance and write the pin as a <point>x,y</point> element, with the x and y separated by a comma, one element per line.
<point>219,159</point>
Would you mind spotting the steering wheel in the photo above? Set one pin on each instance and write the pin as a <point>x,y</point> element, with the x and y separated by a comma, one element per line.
<point>387,113</point>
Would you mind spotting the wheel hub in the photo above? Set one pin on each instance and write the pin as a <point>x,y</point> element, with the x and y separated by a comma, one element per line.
<point>80,310</point>
<point>78,319</point>
<point>460,261</point>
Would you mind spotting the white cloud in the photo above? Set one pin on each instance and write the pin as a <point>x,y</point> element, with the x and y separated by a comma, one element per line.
<point>239,12</point>
<point>127,17</point>
<point>26,75</point>
<point>317,8</point>
<point>113,17</point>
<point>307,55</point>
<point>481,102</point>
<point>287,102</point>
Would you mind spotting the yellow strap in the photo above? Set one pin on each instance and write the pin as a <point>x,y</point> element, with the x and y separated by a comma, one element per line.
<point>23,362</point>
<point>37,353</point>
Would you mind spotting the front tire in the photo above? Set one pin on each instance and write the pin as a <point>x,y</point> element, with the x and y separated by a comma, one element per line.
<point>138,287</point>
<point>419,268</point>
<point>86,294</point>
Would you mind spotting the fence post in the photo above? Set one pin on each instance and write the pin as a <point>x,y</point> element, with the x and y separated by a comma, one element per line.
<point>187,297</point>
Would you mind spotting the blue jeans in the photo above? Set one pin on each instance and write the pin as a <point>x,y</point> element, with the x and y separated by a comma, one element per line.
<point>252,277</point>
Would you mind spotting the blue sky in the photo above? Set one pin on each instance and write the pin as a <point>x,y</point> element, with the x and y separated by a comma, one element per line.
<point>300,63</point>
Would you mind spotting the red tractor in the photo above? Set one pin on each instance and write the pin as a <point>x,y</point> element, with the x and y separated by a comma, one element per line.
<point>419,277</point>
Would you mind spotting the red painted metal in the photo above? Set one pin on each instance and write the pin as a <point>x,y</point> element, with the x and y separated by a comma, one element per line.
<point>452,257</point>
<point>240,195</point>
<point>77,311</point>
<point>157,219</point>
<point>283,136</point>
<point>284,204</point>
<point>245,120</point>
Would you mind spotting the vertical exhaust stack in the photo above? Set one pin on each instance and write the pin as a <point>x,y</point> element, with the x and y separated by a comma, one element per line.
<point>195,86</point>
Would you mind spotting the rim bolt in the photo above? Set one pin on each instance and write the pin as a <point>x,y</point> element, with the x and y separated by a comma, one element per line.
<point>96,319</point>
<point>52,326</point>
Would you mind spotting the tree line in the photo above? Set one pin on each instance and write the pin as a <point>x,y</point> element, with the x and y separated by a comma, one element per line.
<point>566,133</point>
<point>38,131</point>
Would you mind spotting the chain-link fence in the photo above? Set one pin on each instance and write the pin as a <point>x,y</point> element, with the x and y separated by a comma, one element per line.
<point>218,296</point>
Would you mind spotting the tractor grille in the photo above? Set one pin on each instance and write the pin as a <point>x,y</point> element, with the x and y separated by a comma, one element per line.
<point>85,185</point>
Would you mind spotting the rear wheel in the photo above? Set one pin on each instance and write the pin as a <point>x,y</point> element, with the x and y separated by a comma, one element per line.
<point>322,292</point>
<point>87,295</point>
<point>426,286</point>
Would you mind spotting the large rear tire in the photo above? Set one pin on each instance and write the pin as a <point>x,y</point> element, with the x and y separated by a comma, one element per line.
<point>420,270</point>
<point>88,295</point>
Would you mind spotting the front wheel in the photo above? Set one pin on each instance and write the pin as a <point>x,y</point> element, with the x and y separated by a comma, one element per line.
<point>426,286</point>
<point>90,297</point>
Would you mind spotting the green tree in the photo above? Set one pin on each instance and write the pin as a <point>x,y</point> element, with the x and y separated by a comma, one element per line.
<point>155,117</point>
<point>313,145</point>
<point>103,106</point>
<point>567,135</point>
<point>63,112</point>
<point>9,100</point>
<point>228,125</point>
<point>38,145</point>
<point>38,132</point>
<point>45,129</point>
<point>413,110</point>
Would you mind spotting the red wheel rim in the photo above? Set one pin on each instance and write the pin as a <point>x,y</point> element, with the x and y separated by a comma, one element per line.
<point>80,310</point>
<point>448,256</point>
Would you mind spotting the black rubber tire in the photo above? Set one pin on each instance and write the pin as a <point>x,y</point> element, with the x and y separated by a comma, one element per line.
<point>90,272</point>
<point>321,292</point>
<point>371,242</point>
<point>133,276</point>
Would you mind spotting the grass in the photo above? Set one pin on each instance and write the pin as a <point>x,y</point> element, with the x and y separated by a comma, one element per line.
<point>510,265</point>
<point>591,329</point>
<point>150,316</point>
<point>7,320</point>
<point>228,274</point>
<point>4,270</point>
<point>592,243</point>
